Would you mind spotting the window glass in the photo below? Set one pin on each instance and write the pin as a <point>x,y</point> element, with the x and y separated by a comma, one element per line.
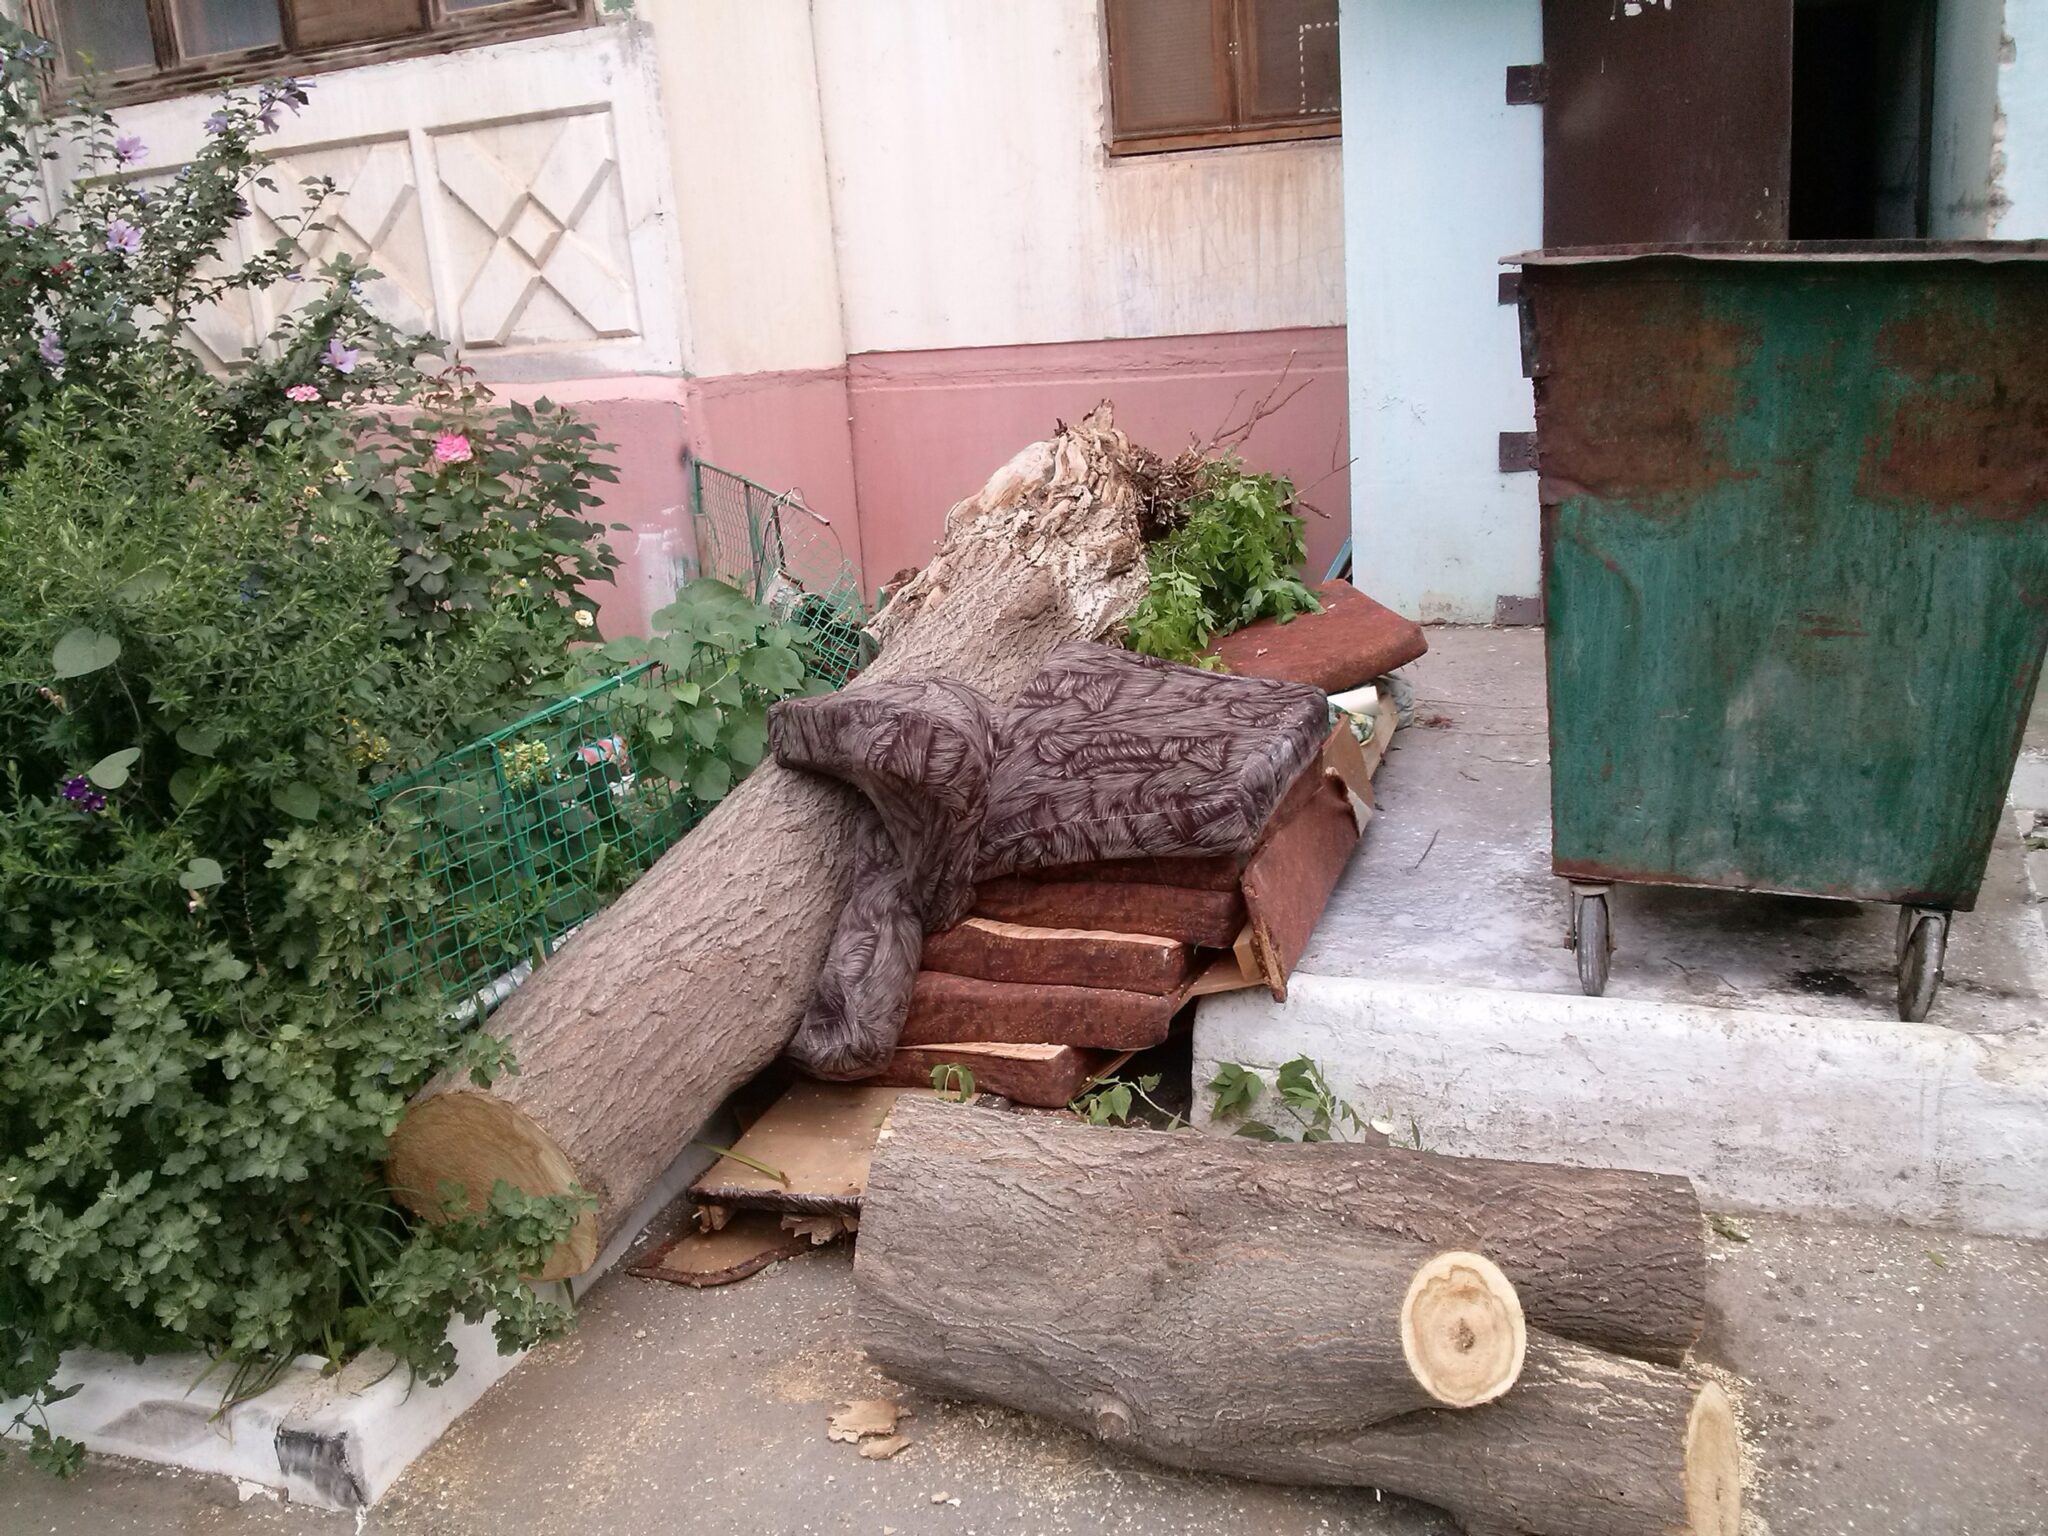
<point>224,26</point>
<point>1294,63</point>
<point>105,35</point>
<point>1165,55</point>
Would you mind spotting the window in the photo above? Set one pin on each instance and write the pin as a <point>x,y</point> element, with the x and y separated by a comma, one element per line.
<point>144,48</point>
<point>1188,74</point>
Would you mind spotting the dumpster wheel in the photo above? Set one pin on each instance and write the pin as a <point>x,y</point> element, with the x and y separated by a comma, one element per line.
<point>1922,945</point>
<point>1592,938</point>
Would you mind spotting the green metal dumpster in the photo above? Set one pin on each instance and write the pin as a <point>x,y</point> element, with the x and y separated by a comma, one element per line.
<point>1795,568</point>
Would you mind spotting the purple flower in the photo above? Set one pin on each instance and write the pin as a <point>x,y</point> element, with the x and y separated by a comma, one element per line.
<point>217,123</point>
<point>19,217</point>
<point>123,237</point>
<point>79,791</point>
<point>130,150</point>
<point>49,349</point>
<point>341,359</point>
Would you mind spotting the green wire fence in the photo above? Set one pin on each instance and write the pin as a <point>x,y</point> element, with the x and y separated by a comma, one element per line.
<point>525,833</point>
<point>781,554</point>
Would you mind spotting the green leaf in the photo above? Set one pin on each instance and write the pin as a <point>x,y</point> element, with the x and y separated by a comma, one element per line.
<point>713,780</point>
<point>1234,1088</point>
<point>200,740</point>
<point>111,771</point>
<point>702,723</point>
<point>746,735</point>
<point>84,650</point>
<point>144,583</point>
<point>1258,1130</point>
<point>201,874</point>
<point>297,799</point>
<point>774,669</point>
<point>186,784</point>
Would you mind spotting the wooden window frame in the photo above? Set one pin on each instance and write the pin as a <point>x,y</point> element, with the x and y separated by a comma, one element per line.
<point>442,31</point>
<point>1236,68</point>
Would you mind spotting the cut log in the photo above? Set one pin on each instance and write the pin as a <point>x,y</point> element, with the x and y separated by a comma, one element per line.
<point>690,983</point>
<point>944,1008</point>
<point>1608,1258</point>
<point>1105,1279</point>
<point>1587,1444</point>
<point>1074,957</point>
<point>1180,1345</point>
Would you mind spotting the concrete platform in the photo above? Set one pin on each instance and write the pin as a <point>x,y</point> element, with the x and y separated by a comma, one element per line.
<point>1891,1386</point>
<point>1751,1041</point>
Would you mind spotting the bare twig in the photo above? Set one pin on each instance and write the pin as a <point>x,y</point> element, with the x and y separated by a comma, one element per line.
<point>1425,852</point>
<point>1269,404</point>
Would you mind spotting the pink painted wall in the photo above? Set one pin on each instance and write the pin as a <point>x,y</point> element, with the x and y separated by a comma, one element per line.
<point>884,448</point>
<point>928,427</point>
<point>789,432</point>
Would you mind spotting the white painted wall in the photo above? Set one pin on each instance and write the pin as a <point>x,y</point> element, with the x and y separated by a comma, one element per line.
<point>2023,108</point>
<point>517,199</point>
<point>740,102</point>
<point>975,204</point>
<point>1441,180</point>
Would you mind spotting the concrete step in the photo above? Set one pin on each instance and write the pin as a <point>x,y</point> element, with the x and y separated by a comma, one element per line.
<point>1750,1041</point>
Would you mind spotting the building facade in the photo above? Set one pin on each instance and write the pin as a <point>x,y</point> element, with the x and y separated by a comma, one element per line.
<point>862,248</point>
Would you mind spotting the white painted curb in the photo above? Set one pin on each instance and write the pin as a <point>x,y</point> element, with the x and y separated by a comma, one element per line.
<point>1877,1121</point>
<point>335,1442</point>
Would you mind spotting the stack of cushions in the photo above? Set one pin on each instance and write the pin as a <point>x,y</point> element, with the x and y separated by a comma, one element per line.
<point>1118,796</point>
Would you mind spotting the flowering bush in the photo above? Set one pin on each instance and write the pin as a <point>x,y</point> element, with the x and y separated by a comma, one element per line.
<point>229,607</point>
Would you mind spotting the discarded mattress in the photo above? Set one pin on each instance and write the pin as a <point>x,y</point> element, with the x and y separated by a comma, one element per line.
<point>1351,642</point>
<point>1105,755</point>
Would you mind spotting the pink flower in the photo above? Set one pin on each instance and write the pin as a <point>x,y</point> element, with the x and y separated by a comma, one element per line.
<point>452,448</point>
<point>123,238</point>
<point>129,148</point>
<point>305,394</point>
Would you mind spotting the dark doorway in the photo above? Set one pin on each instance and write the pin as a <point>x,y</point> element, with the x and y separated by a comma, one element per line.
<point>1862,96</point>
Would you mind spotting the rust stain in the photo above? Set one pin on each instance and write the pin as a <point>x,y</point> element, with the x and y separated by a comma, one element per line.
<point>1971,429</point>
<point>1653,378</point>
<point>1828,626</point>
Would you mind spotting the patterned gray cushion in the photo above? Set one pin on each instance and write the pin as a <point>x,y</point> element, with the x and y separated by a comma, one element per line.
<point>1105,755</point>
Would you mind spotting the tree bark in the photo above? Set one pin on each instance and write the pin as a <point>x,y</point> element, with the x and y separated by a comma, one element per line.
<point>1587,1444</point>
<point>1188,1339</point>
<point>1608,1258</point>
<point>630,1037</point>
<point>1202,1311</point>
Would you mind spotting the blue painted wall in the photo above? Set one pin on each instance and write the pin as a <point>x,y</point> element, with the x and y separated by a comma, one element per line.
<point>1441,179</point>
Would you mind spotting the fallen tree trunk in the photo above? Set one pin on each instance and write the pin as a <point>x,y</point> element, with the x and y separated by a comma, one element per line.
<point>692,981</point>
<point>1608,1258</point>
<point>1199,1311</point>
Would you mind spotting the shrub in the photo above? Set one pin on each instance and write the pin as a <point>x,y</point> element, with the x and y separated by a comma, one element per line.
<point>228,608</point>
<point>196,1077</point>
<point>1234,556</point>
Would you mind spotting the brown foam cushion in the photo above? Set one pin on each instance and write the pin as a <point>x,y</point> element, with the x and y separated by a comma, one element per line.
<point>1351,642</point>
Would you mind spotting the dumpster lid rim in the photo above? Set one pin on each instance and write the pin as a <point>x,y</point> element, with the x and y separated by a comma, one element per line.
<point>1800,251</point>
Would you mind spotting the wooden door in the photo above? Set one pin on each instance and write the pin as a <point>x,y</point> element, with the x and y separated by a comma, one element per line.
<point>1666,120</point>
